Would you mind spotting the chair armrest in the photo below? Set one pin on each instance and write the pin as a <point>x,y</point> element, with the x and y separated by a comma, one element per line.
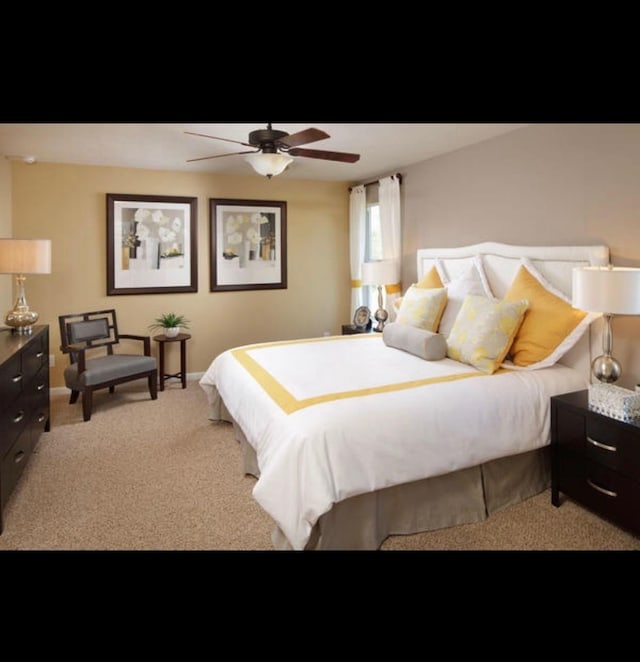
<point>77,353</point>
<point>146,340</point>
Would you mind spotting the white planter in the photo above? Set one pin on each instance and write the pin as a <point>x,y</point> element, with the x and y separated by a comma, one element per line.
<point>172,332</point>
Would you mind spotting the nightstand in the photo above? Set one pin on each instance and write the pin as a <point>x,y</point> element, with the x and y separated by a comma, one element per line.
<point>595,460</point>
<point>350,329</point>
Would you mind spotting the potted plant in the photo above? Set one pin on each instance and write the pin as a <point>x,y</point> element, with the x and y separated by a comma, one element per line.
<point>171,324</point>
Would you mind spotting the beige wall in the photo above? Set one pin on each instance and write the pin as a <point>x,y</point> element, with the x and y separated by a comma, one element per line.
<point>66,203</point>
<point>5,231</point>
<point>541,185</point>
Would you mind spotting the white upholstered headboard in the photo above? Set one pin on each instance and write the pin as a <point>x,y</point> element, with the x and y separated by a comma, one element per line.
<point>501,262</point>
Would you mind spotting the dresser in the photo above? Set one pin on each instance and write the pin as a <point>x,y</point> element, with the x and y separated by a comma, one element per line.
<point>24,403</point>
<point>595,460</point>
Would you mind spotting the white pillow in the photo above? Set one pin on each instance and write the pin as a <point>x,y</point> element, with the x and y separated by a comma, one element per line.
<point>471,281</point>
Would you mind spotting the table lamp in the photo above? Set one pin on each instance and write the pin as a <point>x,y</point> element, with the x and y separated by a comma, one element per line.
<point>20,257</point>
<point>611,291</point>
<point>380,273</point>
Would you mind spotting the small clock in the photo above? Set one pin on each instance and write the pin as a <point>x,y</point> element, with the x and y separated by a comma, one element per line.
<point>362,318</point>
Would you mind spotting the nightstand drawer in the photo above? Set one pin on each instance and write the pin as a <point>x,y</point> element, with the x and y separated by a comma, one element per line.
<point>607,492</point>
<point>616,447</point>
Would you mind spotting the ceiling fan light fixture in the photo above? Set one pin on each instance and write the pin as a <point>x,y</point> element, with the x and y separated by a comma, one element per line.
<point>269,164</point>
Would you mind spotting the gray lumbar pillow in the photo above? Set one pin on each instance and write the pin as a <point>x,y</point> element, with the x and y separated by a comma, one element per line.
<point>422,343</point>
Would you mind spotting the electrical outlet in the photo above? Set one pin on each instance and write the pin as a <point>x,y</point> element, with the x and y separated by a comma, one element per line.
<point>326,333</point>
<point>52,360</point>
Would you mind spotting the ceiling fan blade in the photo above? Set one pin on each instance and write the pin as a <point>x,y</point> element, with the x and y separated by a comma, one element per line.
<point>218,156</point>
<point>344,157</point>
<point>303,138</point>
<point>204,135</point>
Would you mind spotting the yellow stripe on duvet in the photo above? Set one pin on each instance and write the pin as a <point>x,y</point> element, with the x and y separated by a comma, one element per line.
<point>289,404</point>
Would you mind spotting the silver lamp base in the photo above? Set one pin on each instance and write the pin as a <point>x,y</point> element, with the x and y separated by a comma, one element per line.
<point>381,314</point>
<point>21,319</point>
<point>606,369</point>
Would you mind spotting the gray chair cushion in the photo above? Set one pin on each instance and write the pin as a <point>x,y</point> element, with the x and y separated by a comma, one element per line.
<point>106,368</point>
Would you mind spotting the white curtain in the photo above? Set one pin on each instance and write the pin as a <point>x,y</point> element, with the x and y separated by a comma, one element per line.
<point>391,230</point>
<point>357,228</point>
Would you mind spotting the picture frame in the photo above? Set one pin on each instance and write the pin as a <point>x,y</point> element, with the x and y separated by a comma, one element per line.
<point>248,244</point>
<point>152,244</point>
<point>362,318</point>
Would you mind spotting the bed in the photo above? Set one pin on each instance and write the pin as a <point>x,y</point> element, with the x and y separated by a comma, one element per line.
<point>353,440</point>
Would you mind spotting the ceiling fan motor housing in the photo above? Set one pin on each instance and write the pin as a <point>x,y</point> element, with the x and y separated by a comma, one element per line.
<point>266,139</point>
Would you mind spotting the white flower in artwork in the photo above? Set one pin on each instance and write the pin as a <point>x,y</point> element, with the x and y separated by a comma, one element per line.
<point>166,235</point>
<point>176,225</point>
<point>159,218</point>
<point>255,218</point>
<point>142,231</point>
<point>141,214</point>
<point>235,238</point>
<point>232,224</point>
<point>262,219</point>
<point>253,235</point>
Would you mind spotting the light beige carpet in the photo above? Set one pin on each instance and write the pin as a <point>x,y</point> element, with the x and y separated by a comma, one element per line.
<point>145,475</point>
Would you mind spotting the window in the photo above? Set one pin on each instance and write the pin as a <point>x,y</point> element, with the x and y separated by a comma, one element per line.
<point>372,251</point>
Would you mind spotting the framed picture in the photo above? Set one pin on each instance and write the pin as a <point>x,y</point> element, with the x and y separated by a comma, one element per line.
<point>248,244</point>
<point>151,244</point>
<point>362,318</point>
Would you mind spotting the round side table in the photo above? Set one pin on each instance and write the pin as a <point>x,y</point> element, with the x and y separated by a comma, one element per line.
<point>182,375</point>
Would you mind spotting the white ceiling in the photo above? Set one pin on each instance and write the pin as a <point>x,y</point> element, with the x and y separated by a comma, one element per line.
<point>383,148</point>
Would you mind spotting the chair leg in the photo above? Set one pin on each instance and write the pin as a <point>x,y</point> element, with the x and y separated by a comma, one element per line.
<point>153,385</point>
<point>112,389</point>
<point>74,397</point>
<point>87,403</point>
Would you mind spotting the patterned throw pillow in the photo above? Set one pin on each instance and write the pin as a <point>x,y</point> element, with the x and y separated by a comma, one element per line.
<point>484,330</point>
<point>470,281</point>
<point>422,308</point>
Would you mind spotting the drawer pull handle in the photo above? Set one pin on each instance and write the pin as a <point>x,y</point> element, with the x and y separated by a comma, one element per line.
<point>16,379</point>
<point>18,457</point>
<point>39,387</point>
<point>39,355</point>
<point>601,489</point>
<point>41,418</point>
<point>19,417</point>
<point>599,444</point>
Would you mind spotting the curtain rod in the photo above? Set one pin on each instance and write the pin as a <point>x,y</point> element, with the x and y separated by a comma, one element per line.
<point>397,175</point>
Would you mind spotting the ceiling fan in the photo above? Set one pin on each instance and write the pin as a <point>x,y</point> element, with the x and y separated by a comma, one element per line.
<point>275,149</point>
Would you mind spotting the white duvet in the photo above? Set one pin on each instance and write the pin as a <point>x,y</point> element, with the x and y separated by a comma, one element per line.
<point>330,418</point>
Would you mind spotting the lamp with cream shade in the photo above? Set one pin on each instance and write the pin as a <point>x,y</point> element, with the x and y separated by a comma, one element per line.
<point>20,257</point>
<point>611,291</point>
<point>380,273</point>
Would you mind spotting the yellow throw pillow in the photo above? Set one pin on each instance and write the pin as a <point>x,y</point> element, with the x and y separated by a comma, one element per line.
<point>430,279</point>
<point>422,307</point>
<point>484,330</point>
<point>550,327</point>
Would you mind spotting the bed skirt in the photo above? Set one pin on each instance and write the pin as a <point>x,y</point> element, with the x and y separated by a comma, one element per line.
<point>471,495</point>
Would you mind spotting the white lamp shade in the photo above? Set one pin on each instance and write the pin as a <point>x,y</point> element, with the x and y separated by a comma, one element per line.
<point>382,272</point>
<point>268,164</point>
<point>25,256</point>
<point>609,290</point>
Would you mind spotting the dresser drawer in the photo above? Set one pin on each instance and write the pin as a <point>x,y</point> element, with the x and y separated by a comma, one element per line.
<point>11,380</point>
<point>607,492</point>
<point>34,356</point>
<point>614,446</point>
<point>13,464</point>
<point>13,420</point>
